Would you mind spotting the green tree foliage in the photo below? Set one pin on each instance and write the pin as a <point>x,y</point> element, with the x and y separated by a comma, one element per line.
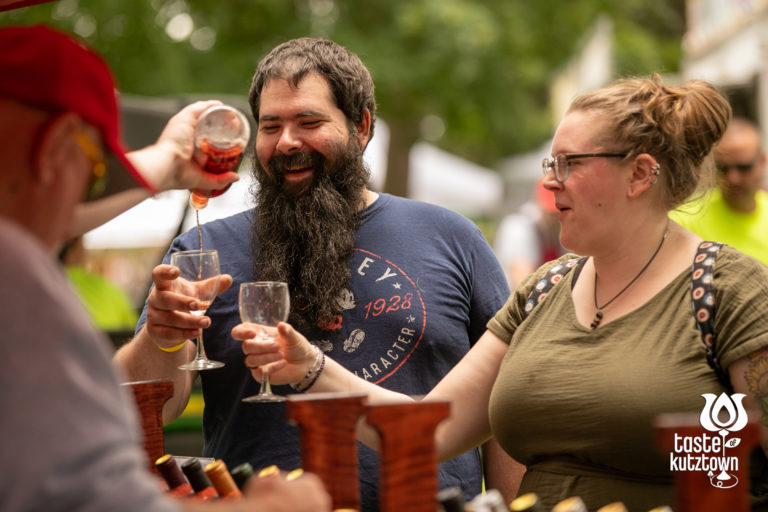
<point>479,70</point>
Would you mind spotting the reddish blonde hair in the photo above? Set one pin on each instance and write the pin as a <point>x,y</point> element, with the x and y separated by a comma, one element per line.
<point>678,126</point>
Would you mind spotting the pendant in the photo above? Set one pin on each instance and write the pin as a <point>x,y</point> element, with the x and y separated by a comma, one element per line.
<point>596,321</point>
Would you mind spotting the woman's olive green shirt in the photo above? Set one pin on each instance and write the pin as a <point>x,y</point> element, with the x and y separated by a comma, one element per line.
<point>577,405</point>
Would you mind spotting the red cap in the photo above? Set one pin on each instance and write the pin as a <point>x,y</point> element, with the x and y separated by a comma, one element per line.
<point>47,69</point>
<point>7,5</point>
<point>545,198</point>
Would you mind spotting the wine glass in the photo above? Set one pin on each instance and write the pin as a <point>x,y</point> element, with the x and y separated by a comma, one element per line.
<point>199,278</point>
<point>266,303</point>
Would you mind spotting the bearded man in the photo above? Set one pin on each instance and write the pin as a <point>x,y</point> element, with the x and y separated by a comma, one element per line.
<point>395,290</point>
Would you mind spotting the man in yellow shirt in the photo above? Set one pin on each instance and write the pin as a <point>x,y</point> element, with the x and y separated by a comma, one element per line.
<point>736,211</point>
<point>109,305</point>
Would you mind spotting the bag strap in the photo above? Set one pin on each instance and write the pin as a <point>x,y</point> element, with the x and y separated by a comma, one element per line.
<point>702,298</point>
<point>703,304</point>
<point>550,279</point>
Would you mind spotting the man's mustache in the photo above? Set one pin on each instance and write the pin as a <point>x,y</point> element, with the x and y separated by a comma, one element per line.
<point>279,165</point>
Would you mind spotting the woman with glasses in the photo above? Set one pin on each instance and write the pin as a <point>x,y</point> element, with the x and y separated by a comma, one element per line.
<point>570,385</point>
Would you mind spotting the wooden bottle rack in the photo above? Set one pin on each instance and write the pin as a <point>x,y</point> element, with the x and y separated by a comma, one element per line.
<point>408,479</point>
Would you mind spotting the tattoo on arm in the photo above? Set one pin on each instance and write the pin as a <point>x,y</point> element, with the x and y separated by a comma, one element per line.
<point>756,377</point>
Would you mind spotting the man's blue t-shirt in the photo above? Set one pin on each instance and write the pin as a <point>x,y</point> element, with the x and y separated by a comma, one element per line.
<point>424,283</point>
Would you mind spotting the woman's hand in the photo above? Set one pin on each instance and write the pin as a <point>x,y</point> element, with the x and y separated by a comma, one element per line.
<point>288,356</point>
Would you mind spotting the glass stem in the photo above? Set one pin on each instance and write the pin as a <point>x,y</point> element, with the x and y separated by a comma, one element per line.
<point>200,347</point>
<point>266,389</point>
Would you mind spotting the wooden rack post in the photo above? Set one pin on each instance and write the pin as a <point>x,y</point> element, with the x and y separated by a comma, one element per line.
<point>150,396</point>
<point>408,479</point>
<point>327,424</point>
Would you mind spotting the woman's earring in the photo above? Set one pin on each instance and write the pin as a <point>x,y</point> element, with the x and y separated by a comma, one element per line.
<point>655,170</point>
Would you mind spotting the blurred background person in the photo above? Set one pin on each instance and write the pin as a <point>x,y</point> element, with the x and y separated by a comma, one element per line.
<point>735,212</point>
<point>109,305</point>
<point>529,238</point>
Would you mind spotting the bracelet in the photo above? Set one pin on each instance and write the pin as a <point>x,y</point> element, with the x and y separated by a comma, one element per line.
<point>311,371</point>
<point>317,375</point>
<point>174,348</point>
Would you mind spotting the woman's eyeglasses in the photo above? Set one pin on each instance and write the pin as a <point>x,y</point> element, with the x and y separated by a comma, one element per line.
<point>560,164</point>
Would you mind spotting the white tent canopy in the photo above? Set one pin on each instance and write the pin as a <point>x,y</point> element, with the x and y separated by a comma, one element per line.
<point>442,178</point>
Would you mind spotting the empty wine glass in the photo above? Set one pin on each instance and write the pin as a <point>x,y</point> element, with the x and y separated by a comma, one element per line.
<point>199,278</point>
<point>266,303</point>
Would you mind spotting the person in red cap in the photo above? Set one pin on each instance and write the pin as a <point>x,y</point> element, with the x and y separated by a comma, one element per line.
<point>85,93</point>
<point>70,435</point>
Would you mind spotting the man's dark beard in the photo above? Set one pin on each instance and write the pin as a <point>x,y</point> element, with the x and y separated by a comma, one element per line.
<point>307,240</point>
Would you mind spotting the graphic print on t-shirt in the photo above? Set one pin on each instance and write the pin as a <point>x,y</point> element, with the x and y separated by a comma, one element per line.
<point>382,321</point>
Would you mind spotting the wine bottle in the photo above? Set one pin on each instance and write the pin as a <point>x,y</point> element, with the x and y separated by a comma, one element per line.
<point>169,469</point>
<point>221,479</point>
<point>221,136</point>
<point>616,506</point>
<point>572,504</point>
<point>269,471</point>
<point>294,474</point>
<point>241,473</point>
<point>528,502</point>
<point>203,488</point>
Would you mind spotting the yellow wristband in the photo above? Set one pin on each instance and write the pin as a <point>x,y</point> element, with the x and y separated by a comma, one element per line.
<point>173,349</point>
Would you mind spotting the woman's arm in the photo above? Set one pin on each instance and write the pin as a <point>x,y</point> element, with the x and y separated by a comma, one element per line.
<point>467,386</point>
<point>749,375</point>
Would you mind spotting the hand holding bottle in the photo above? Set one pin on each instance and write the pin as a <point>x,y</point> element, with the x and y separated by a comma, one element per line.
<point>169,163</point>
<point>221,136</point>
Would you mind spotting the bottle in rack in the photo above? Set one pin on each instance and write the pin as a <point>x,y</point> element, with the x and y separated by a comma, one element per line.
<point>241,473</point>
<point>221,479</point>
<point>572,504</point>
<point>221,136</point>
<point>169,469</point>
<point>202,486</point>
<point>528,502</point>
<point>616,506</point>
<point>269,471</point>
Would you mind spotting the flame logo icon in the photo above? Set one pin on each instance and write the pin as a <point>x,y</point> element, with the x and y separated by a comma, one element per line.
<point>715,408</point>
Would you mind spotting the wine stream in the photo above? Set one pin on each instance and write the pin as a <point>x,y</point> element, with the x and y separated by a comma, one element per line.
<point>200,238</point>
